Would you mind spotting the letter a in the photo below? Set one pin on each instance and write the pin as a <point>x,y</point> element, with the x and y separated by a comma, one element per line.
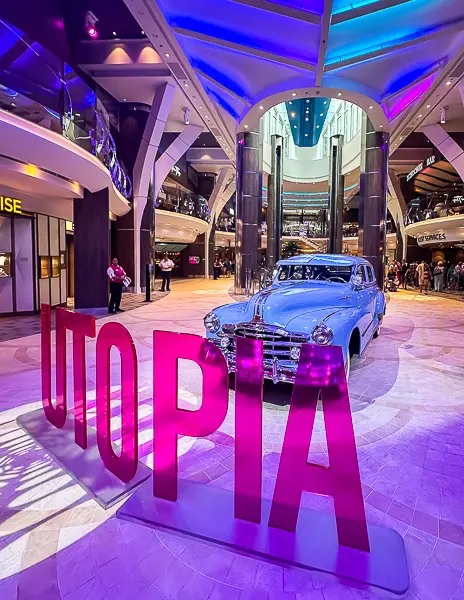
<point>321,370</point>
<point>169,420</point>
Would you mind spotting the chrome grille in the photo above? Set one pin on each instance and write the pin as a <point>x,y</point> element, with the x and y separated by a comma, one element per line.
<point>277,342</point>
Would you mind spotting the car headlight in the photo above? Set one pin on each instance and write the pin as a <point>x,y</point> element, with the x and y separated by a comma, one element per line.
<point>211,322</point>
<point>322,335</point>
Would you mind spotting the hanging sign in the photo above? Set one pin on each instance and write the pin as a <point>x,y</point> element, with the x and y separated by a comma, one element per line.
<point>420,167</point>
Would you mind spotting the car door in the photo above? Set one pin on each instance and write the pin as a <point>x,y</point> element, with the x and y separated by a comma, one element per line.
<point>364,298</point>
<point>371,287</point>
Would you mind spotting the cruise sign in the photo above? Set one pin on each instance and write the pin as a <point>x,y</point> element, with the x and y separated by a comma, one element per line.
<point>420,167</point>
<point>10,205</point>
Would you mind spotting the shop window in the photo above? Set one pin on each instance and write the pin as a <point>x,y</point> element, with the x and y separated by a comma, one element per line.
<point>55,266</point>
<point>5,264</point>
<point>44,267</point>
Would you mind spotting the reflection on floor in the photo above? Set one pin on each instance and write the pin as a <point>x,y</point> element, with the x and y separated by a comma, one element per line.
<point>408,410</point>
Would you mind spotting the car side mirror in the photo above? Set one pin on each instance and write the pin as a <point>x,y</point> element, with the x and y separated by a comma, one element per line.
<point>357,282</point>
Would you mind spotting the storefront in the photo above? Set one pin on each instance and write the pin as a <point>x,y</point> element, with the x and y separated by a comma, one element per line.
<point>33,258</point>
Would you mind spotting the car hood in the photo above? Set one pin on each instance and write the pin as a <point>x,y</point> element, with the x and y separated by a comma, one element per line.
<point>283,302</point>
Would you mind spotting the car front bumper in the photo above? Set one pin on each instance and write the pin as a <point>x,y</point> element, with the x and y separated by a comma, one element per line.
<point>277,370</point>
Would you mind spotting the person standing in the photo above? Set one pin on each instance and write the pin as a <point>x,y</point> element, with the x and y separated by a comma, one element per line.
<point>438,277</point>
<point>420,272</point>
<point>459,275</point>
<point>217,267</point>
<point>166,266</point>
<point>404,274</point>
<point>116,274</point>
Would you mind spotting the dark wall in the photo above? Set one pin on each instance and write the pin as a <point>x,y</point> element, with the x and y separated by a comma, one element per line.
<point>91,249</point>
<point>40,20</point>
<point>197,248</point>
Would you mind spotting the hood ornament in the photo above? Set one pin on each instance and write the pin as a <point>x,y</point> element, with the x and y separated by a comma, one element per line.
<point>258,315</point>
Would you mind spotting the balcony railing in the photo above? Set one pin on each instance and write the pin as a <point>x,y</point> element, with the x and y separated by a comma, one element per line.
<point>39,87</point>
<point>434,206</point>
<point>185,203</point>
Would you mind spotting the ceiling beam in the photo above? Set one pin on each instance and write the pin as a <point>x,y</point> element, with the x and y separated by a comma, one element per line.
<point>367,9</point>
<point>395,46</point>
<point>284,10</point>
<point>222,87</point>
<point>269,56</point>
<point>323,40</point>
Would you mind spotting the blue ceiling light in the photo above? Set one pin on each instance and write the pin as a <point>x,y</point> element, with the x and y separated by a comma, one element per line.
<point>307,117</point>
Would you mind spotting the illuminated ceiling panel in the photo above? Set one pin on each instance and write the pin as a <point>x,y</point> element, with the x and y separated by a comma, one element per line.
<point>247,50</point>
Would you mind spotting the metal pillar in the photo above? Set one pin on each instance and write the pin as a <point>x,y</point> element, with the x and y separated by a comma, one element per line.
<point>336,197</point>
<point>248,209</point>
<point>373,197</point>
<point>274,201</point>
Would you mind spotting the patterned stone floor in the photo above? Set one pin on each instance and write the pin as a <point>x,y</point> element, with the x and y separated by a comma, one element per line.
<point>407,396</point>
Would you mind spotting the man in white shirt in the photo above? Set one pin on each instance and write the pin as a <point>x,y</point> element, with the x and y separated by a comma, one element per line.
<point>166,266</point>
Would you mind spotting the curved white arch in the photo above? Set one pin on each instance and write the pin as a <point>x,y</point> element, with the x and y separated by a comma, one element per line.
<point>250,118</point>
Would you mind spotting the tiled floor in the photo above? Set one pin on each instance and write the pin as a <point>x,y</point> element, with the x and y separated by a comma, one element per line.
<point>407,397</point>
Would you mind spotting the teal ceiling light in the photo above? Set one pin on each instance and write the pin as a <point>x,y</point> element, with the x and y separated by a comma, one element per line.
<point>306,117</point>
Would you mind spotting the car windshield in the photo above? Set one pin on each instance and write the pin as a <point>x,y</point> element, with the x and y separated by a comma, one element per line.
<point>337,274</point>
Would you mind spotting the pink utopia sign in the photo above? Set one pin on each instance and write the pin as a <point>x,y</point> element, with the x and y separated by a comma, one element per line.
<point>320,374</point>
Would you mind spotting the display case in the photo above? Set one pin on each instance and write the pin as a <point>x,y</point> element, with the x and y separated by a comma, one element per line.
<point>44,267</point>
<point>56,266</point>
<point>5,264</point>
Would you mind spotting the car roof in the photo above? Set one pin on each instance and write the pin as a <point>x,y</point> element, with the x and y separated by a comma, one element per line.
<point>339,260</point>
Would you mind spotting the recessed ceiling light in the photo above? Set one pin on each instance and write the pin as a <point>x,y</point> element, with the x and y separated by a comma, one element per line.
<point>123,99</point>
<point>206,117</point>
<point>166,54</point>
<point>114,32</point>
<point>428,105</point>
<point>293,114</point>
<point>318,127</point>
<point>142,32</point>
<point>371,107</point>
<point>261,107</point>
<point>306,135</point>
<point>13,104</point>
<point>200,107</point>
<point>325,101</point>
<point>306,119</point>
<point>321,115</point>
<point>294,126</point>
<point>186,84</point>
<point>420,116</point>
<point>401,138</point>
<point>294,94</point>
<point>448,83</point>
<point>246,126</point>
<point>339,94</point>
<point>381,127</point>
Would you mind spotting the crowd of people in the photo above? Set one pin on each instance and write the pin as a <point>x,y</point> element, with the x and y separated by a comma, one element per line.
<point>437,276</point>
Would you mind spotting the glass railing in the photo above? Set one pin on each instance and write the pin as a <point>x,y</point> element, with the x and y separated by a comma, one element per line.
<point>39,87</point>
<point>185,203</point>
<point>435,206</point>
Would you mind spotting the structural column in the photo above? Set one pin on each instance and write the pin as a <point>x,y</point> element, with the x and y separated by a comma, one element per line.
<point>336,197</point>
<point>373,197</point>
<point>248,209</point>
<point>274,201</point>
<point>91,249</point>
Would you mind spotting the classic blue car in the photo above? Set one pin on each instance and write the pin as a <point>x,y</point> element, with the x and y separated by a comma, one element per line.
<point>316,298</point>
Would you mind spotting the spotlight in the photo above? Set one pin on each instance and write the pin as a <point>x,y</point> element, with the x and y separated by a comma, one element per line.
<point>443,114</point>
<point>261,107</point>
<point>293,114</point>
<point>294,94</point>
<point>186,112</point>
<point>90,22</point>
